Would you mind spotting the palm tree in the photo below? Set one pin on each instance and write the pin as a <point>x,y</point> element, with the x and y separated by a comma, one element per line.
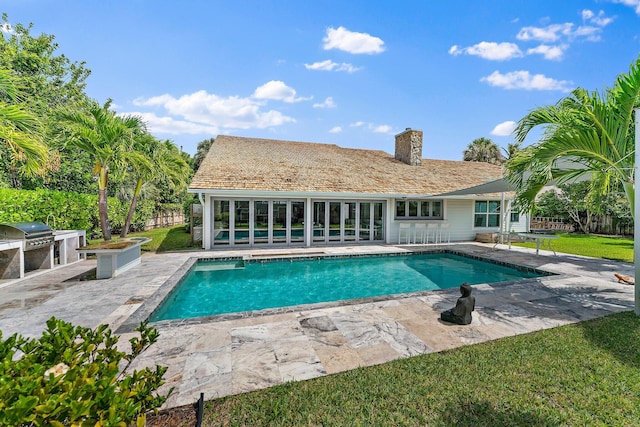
<point>19,130</point>
<point>587,135</point>
<point>151,159</point>
<point>106,136</point>
<point>482,150</point>
<point>512,149</point>
<point>201,153</point>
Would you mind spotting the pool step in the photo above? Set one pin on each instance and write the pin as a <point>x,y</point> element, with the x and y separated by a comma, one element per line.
<point>216,266</point>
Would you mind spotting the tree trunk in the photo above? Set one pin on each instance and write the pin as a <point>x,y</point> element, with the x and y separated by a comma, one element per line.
<point>132,208</point>
<point>102,204</point>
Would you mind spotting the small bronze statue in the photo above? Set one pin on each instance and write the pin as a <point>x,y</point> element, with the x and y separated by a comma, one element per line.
<point>461,313</point>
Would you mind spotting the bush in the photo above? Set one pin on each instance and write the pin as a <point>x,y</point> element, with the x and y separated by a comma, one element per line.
<point>72,376</point>
<point>69,211</point>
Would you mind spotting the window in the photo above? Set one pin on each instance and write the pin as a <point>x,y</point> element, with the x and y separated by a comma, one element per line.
<point>486,213</point>
<point>515,216</point>
<point>418,209</point>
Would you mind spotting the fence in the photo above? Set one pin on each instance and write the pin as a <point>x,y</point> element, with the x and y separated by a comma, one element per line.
<point>600,224</point>
<point>545,223</point>
<point>165,219</point>
<point>606,224</point>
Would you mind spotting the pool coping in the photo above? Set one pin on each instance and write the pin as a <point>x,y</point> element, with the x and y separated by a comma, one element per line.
<point>152,303</point>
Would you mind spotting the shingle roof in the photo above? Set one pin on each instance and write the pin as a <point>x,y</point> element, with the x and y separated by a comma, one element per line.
<point>252,164</point>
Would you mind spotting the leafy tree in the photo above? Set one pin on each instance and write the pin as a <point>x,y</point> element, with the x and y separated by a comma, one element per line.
<point>49,81</point>
<point>482,150</point>
<point>201,152</point>
<point>151,159</point>
<point>586,134</point>
<point>19,129</point>
<point>106,137</point>
<point>68,169</point>
<point>572,199</point>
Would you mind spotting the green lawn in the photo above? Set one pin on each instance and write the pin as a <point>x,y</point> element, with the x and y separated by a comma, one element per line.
<point>582,374</point>
<point>615,248</point>
<point>163,239</point>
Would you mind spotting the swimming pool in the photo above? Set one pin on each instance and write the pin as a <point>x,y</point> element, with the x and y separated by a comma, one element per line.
<point>220,287</point>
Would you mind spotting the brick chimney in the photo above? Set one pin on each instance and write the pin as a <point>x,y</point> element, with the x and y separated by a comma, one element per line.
<point>409,147</point>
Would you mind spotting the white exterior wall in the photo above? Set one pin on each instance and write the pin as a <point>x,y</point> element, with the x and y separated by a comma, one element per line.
<point>458,212</point>
<point>460,216</point>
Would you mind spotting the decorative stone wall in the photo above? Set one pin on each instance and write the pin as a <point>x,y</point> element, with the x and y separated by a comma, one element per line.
<point>409,147</point>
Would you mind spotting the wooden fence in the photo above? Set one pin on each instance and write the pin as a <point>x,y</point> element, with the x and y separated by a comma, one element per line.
<point>605,224</point>
<point>165,219</point>
<point>600,224</point>
<point>544,223</point>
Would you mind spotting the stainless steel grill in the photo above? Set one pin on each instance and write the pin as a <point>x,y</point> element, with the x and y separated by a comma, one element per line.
<point>34,235</point>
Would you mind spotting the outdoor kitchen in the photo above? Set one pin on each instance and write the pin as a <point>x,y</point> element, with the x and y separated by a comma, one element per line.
<point>29,247</point>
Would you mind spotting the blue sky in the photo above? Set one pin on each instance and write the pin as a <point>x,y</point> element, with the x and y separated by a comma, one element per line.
<point>348,73</point>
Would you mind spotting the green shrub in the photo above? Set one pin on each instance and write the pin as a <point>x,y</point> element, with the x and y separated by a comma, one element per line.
<point>69,211</point>
<point>72,375</point>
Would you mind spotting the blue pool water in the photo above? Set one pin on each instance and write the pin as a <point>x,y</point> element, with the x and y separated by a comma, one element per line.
<point>216,287</point>
<point>220,287</point>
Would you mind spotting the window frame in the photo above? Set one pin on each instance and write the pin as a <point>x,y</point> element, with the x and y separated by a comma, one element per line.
<point>406,206</point>
<point>487,213</point>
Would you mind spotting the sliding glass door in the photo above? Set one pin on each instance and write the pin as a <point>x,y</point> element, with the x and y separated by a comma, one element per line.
<point>337,221</point>
<point>264,222</point>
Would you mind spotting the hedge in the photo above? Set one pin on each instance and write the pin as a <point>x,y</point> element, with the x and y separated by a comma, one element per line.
<point>69,211</point>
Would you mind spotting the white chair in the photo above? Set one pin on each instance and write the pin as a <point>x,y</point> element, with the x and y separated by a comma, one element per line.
<point>432,232</point>
<point>420,232</point>
<point>445,231</point>
<point>404,230</point>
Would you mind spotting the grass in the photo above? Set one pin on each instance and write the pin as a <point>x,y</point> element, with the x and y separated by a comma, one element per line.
<point>614,248</point>
<point>582,374</point>
<point>162,239</point>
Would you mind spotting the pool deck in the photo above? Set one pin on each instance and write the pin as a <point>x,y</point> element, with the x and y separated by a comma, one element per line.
<point>220,357</point>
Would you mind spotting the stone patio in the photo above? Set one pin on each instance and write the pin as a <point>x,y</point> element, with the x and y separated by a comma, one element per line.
<point>220,356</point>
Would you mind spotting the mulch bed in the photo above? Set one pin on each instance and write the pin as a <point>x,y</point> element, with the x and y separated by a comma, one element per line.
<point>182,416</point>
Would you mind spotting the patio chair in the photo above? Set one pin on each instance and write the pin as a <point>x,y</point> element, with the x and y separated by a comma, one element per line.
<point>404,230</point>
<point>420,232</point>
<point>445,231</point>
<point>432,232</point>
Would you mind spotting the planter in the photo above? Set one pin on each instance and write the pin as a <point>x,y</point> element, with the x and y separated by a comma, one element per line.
<point>486,237</point>
<point>116,258</point>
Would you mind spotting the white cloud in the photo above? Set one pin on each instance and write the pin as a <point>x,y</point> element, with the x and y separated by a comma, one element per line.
<point>600,20</point>
<point>352,42</point>
<point>554,32</point>
<point>550,33</point>
<point>489,50</point>
<point>277,90</point>
<point>169,125</point>
<point>335,129</point>
<point>328,103</point>
<point>525,80</point>
<point>549,52</point>
<point>329,65</point>
<point>373,127</point>
<point>206,109</point>
<point>381,129</point>
<point>504,128</point>
<point>635,4</point>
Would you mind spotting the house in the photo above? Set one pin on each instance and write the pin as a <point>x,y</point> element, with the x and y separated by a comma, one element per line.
<point>262,192</point>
